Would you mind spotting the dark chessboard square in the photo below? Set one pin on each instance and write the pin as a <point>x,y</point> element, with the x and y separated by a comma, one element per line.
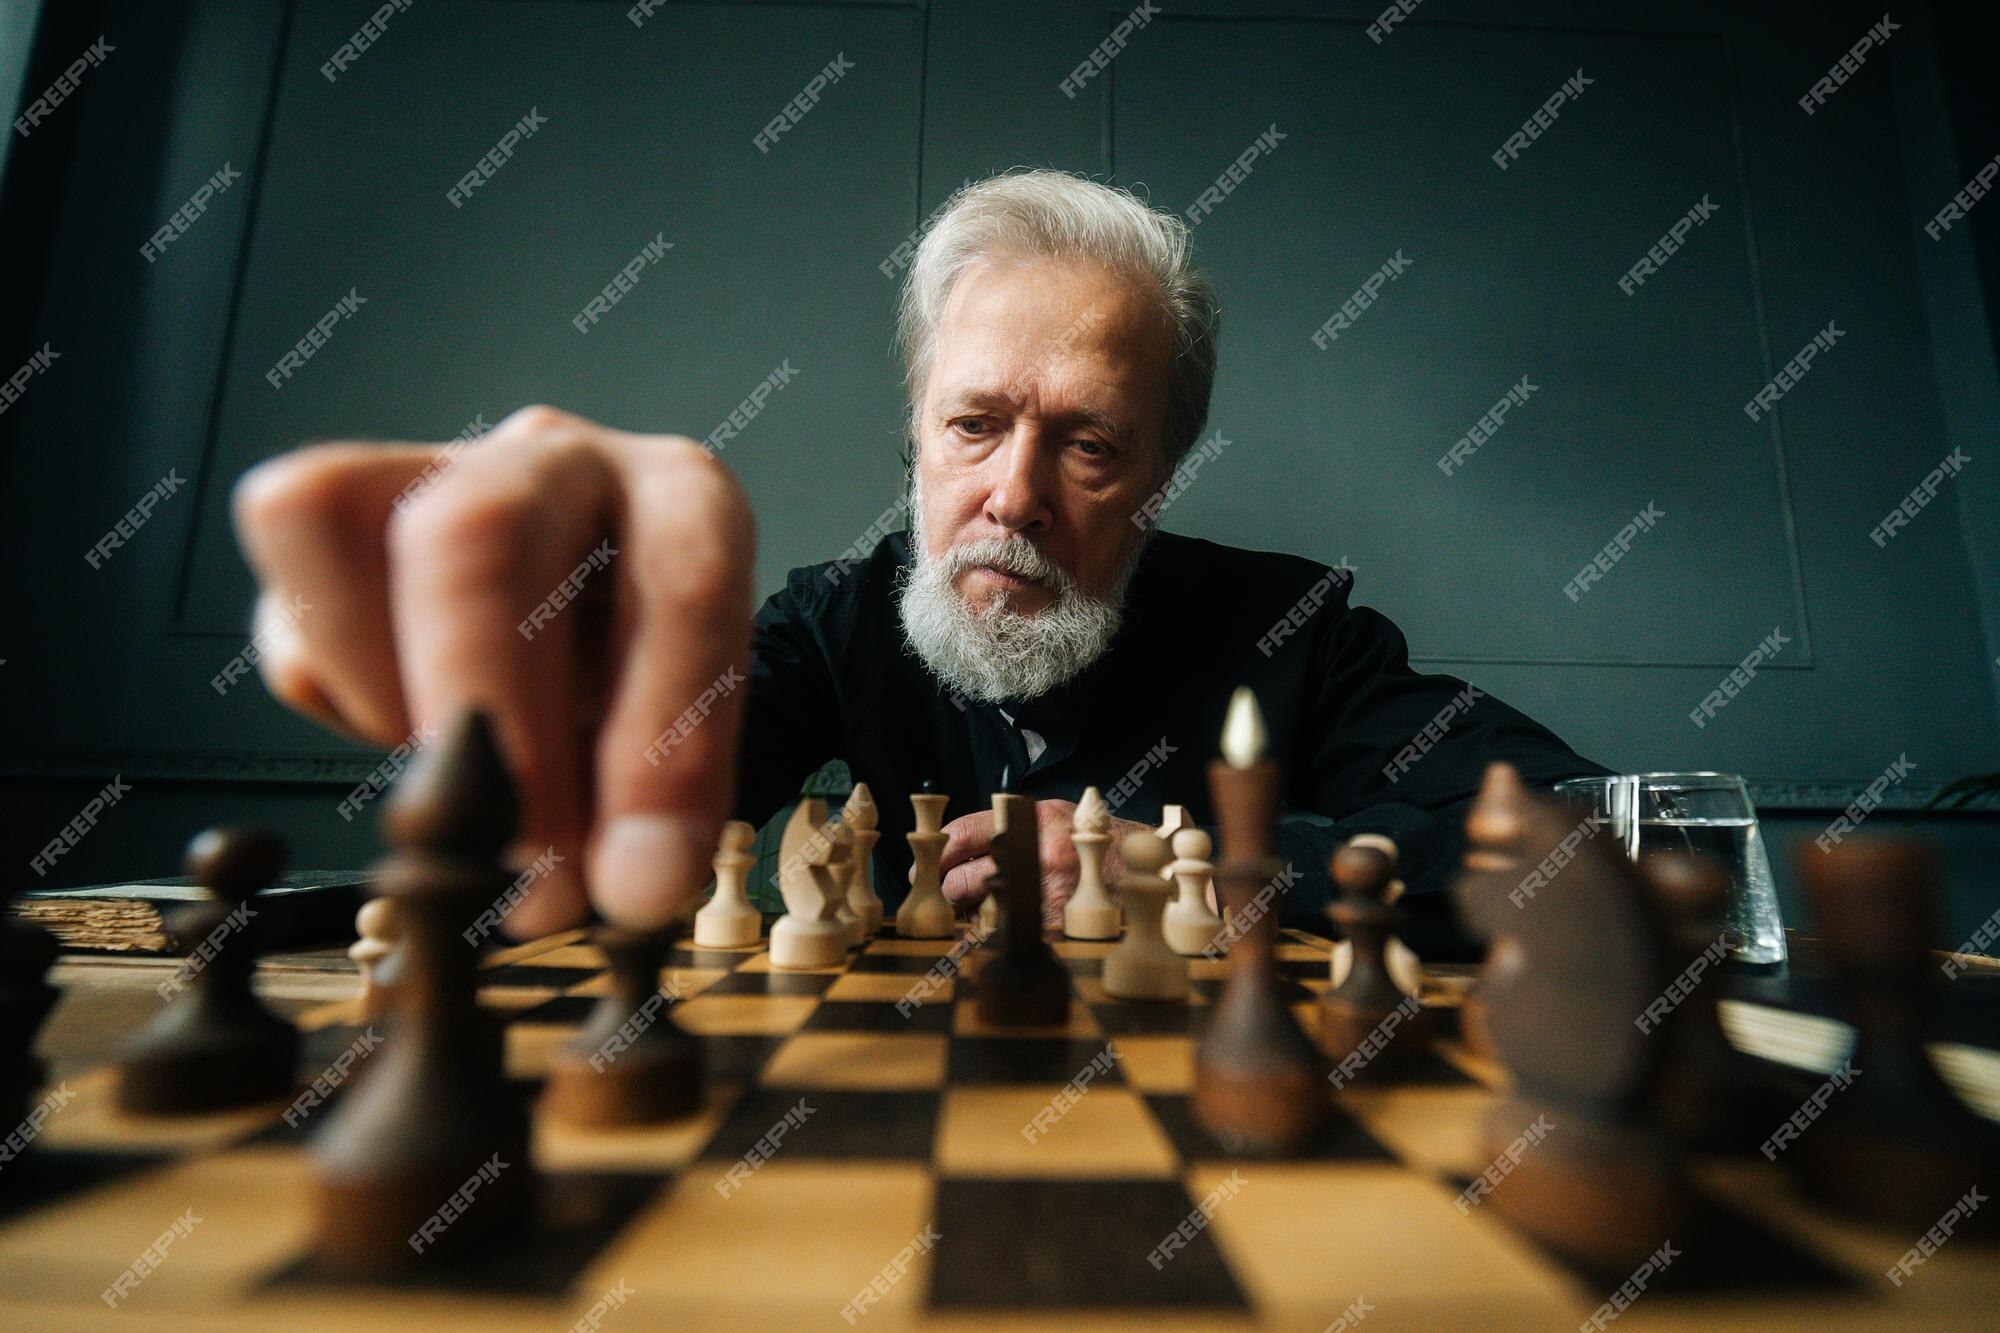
<point>576,1215</point>
<point>1303,970</point>
<point>1104,1257</point>
<point>1425,1069</point>
<point>825,1125</point>
<point>43,1177</point>
<point>710,960</point>
<point>560,1011</point>
<point>737,1059</point>
<point>1341,1139</point>
<point>900,964</point>
<point>1024,1060</point>
<point>1134,1018</point>
<point>771,983</point>
<point>873,1016</point>
<point>528,974</point>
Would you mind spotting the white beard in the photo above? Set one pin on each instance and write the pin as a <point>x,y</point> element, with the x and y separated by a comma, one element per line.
<point>999,653</point>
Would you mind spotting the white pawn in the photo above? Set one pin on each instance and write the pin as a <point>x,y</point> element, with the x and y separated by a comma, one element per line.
<point>989,907</point>
<point>1405,968</point>
<point>860,817</point>
<point>842,865</point>
<point>1142,967</point>
<point>379,928</point>
<point>1190,925</point>
<point>1173,819</point>
<point>925,915</point>
<point>810,933</point>
<point>727,920</point>
<point>1090,914</point>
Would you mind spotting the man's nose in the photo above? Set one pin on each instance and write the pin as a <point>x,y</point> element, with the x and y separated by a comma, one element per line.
<point>1018,498</point>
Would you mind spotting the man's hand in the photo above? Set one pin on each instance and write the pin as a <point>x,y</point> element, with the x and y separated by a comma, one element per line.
<point>426,595</point>
<point>968,857</point>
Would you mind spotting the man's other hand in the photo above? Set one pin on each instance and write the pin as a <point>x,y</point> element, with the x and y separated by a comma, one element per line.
<point>968,857</point>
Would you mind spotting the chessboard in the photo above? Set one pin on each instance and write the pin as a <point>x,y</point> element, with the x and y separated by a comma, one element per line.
<point>870,1154</point>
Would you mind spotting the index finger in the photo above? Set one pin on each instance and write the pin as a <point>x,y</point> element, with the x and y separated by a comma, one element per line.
<point>969,836</point>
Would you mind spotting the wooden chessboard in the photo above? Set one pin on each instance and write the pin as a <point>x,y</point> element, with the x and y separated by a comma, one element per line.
<point>908,1125</point>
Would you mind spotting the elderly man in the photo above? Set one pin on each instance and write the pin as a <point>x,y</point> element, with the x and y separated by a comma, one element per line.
<point>1031,629</point>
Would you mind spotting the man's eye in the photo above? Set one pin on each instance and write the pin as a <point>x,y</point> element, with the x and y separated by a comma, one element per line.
<point>1090,448</point>
<point>969,426</point>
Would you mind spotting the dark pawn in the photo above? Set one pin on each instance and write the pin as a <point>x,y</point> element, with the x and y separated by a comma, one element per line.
<point>434,1121</point>
<point>632,1064</point>
<point>1367,998</point>
<point>215,1045</point>
<point>1707,1093</point>
<point>1895,1146</point>
<point>1020,982</point>
<point>26,953</point>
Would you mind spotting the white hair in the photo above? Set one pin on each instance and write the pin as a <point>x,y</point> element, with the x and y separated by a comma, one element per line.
<point>1058,215</point>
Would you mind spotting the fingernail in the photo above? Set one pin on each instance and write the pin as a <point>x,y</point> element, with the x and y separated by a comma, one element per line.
<point>648,869</point>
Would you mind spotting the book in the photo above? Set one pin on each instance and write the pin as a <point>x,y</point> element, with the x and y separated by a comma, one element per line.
<point>300,908</point>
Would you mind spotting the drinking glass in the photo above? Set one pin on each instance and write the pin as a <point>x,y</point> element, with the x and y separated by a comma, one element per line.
<point>1708,813</point>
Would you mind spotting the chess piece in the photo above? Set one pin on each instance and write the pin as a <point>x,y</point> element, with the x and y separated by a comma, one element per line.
<point>1259,1085</point>
<point>1592,1178</point>
<point>1190,925</point>
<point>1173,819</point>
<point>925,915</point>
<point>1494,827</point>
<point>810,933</point>
<point>1405,968</point>
<point>1142,967</point>
<point>26,954</point>
<point>1894,1145</point>
<point>989,907</point>
<point>215,1045</point>
<point>631,1064</point>
<point>1369,1013</point>
<point>378,942</point>
<point>1090,914</point>
<point>860,815</point>
<point>435,1117</point>
<point>1020,983</point>
<point>842,864</point>
<point>727,920</point>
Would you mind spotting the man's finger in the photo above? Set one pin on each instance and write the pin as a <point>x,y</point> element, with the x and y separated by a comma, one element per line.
<point>965,886</point>
<point>967,836</point>
<point>666,757</point>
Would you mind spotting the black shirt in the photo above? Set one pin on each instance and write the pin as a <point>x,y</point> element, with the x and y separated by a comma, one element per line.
<point>832,677</point>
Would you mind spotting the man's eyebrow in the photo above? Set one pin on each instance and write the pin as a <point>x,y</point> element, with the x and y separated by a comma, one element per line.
<point>986,400</point>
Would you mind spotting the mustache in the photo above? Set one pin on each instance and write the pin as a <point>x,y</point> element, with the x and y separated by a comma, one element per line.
<point>1015,555</point>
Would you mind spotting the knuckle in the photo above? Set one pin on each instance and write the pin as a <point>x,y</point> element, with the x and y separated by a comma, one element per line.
<point>536,419</point>
<point>304,488</point>
<point>480,530</point>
